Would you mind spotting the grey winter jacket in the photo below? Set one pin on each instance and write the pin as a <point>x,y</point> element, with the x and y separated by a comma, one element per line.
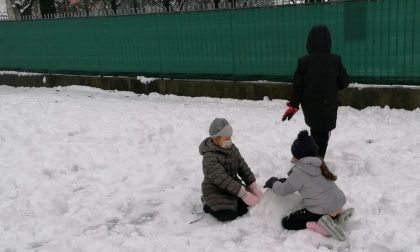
<point>221,168</point>
<point>320,196</point>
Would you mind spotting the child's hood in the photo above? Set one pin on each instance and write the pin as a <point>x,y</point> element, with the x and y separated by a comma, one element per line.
<point>310,165</point>
<point>319,40</point>
<point>208,146</point>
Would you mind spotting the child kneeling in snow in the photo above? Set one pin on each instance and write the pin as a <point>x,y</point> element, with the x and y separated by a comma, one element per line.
<point>322,199</point>
<point>224,195</point>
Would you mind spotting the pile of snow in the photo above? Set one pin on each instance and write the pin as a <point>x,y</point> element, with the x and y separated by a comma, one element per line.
<point>145,80</point>
<point>89,170</point>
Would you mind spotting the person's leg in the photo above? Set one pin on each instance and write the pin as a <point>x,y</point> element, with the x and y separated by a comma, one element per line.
<point>207,209</point>
<point>225,215</point>
<point>228,215</point>
<point>297,220</point>
<point>314,226</point>
<point>334,230</point>
<point>242,207</point>
<point>335,212</point>
<point>321,138</point>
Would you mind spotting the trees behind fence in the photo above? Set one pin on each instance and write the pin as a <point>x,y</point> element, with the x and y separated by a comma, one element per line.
<point>35,9</point>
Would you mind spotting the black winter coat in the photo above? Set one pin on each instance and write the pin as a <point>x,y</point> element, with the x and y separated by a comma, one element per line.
<point>317,79</point>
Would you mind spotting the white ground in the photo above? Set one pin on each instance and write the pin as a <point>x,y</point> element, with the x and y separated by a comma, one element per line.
<point>89,170</point>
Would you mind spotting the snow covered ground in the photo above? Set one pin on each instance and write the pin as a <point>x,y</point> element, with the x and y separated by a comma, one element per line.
<point>84,169</point>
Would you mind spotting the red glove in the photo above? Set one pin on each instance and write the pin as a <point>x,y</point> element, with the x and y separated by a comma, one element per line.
<point>289,112</point>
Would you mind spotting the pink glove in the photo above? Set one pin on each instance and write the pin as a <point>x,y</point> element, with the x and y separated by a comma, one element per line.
<point>250,199</point>
<point>255,190</point>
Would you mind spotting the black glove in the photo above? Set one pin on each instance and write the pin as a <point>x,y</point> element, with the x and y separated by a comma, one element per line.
<point>270,182</point>
<point>282,180</point>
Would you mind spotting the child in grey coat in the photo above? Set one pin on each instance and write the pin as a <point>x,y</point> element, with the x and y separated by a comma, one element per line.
<point>229,185</point>
<point>322,198</point>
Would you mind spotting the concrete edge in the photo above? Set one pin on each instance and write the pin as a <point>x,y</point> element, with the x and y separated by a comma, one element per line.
<point>356,97</point>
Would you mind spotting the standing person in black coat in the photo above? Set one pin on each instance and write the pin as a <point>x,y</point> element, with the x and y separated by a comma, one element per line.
<point>317,79</point>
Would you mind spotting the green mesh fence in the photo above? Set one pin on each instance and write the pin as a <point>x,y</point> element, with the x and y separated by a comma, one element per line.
<point>379,42</point>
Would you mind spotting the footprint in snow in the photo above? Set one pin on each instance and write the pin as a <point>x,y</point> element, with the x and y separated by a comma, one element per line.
<point>143,218</point>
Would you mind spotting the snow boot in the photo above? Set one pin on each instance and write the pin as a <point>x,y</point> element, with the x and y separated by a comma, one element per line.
<point>343,217</point>
<point>314,226</point>
<point>332,229</point>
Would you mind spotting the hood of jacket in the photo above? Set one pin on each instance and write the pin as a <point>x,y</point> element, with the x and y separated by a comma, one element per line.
<point>310,165</point>
<point>319,40</point>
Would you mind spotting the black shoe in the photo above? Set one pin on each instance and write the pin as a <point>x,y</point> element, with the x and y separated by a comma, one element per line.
<point>207,209</point>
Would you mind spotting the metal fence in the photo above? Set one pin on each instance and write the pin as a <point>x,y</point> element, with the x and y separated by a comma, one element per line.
<point>378,40</point>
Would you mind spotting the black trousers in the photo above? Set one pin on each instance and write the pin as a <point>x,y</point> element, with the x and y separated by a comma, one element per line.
<point>297,220</point>
<point>321,139</point>
<point>228,215</point>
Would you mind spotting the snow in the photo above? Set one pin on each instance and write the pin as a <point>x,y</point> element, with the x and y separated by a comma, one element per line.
<point>84,169</point>
<point>145,80</point>
<point>361,86</point>
<point>19,73</point>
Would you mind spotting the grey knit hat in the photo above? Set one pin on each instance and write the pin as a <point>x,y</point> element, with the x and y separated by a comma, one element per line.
<point>220,127</point>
